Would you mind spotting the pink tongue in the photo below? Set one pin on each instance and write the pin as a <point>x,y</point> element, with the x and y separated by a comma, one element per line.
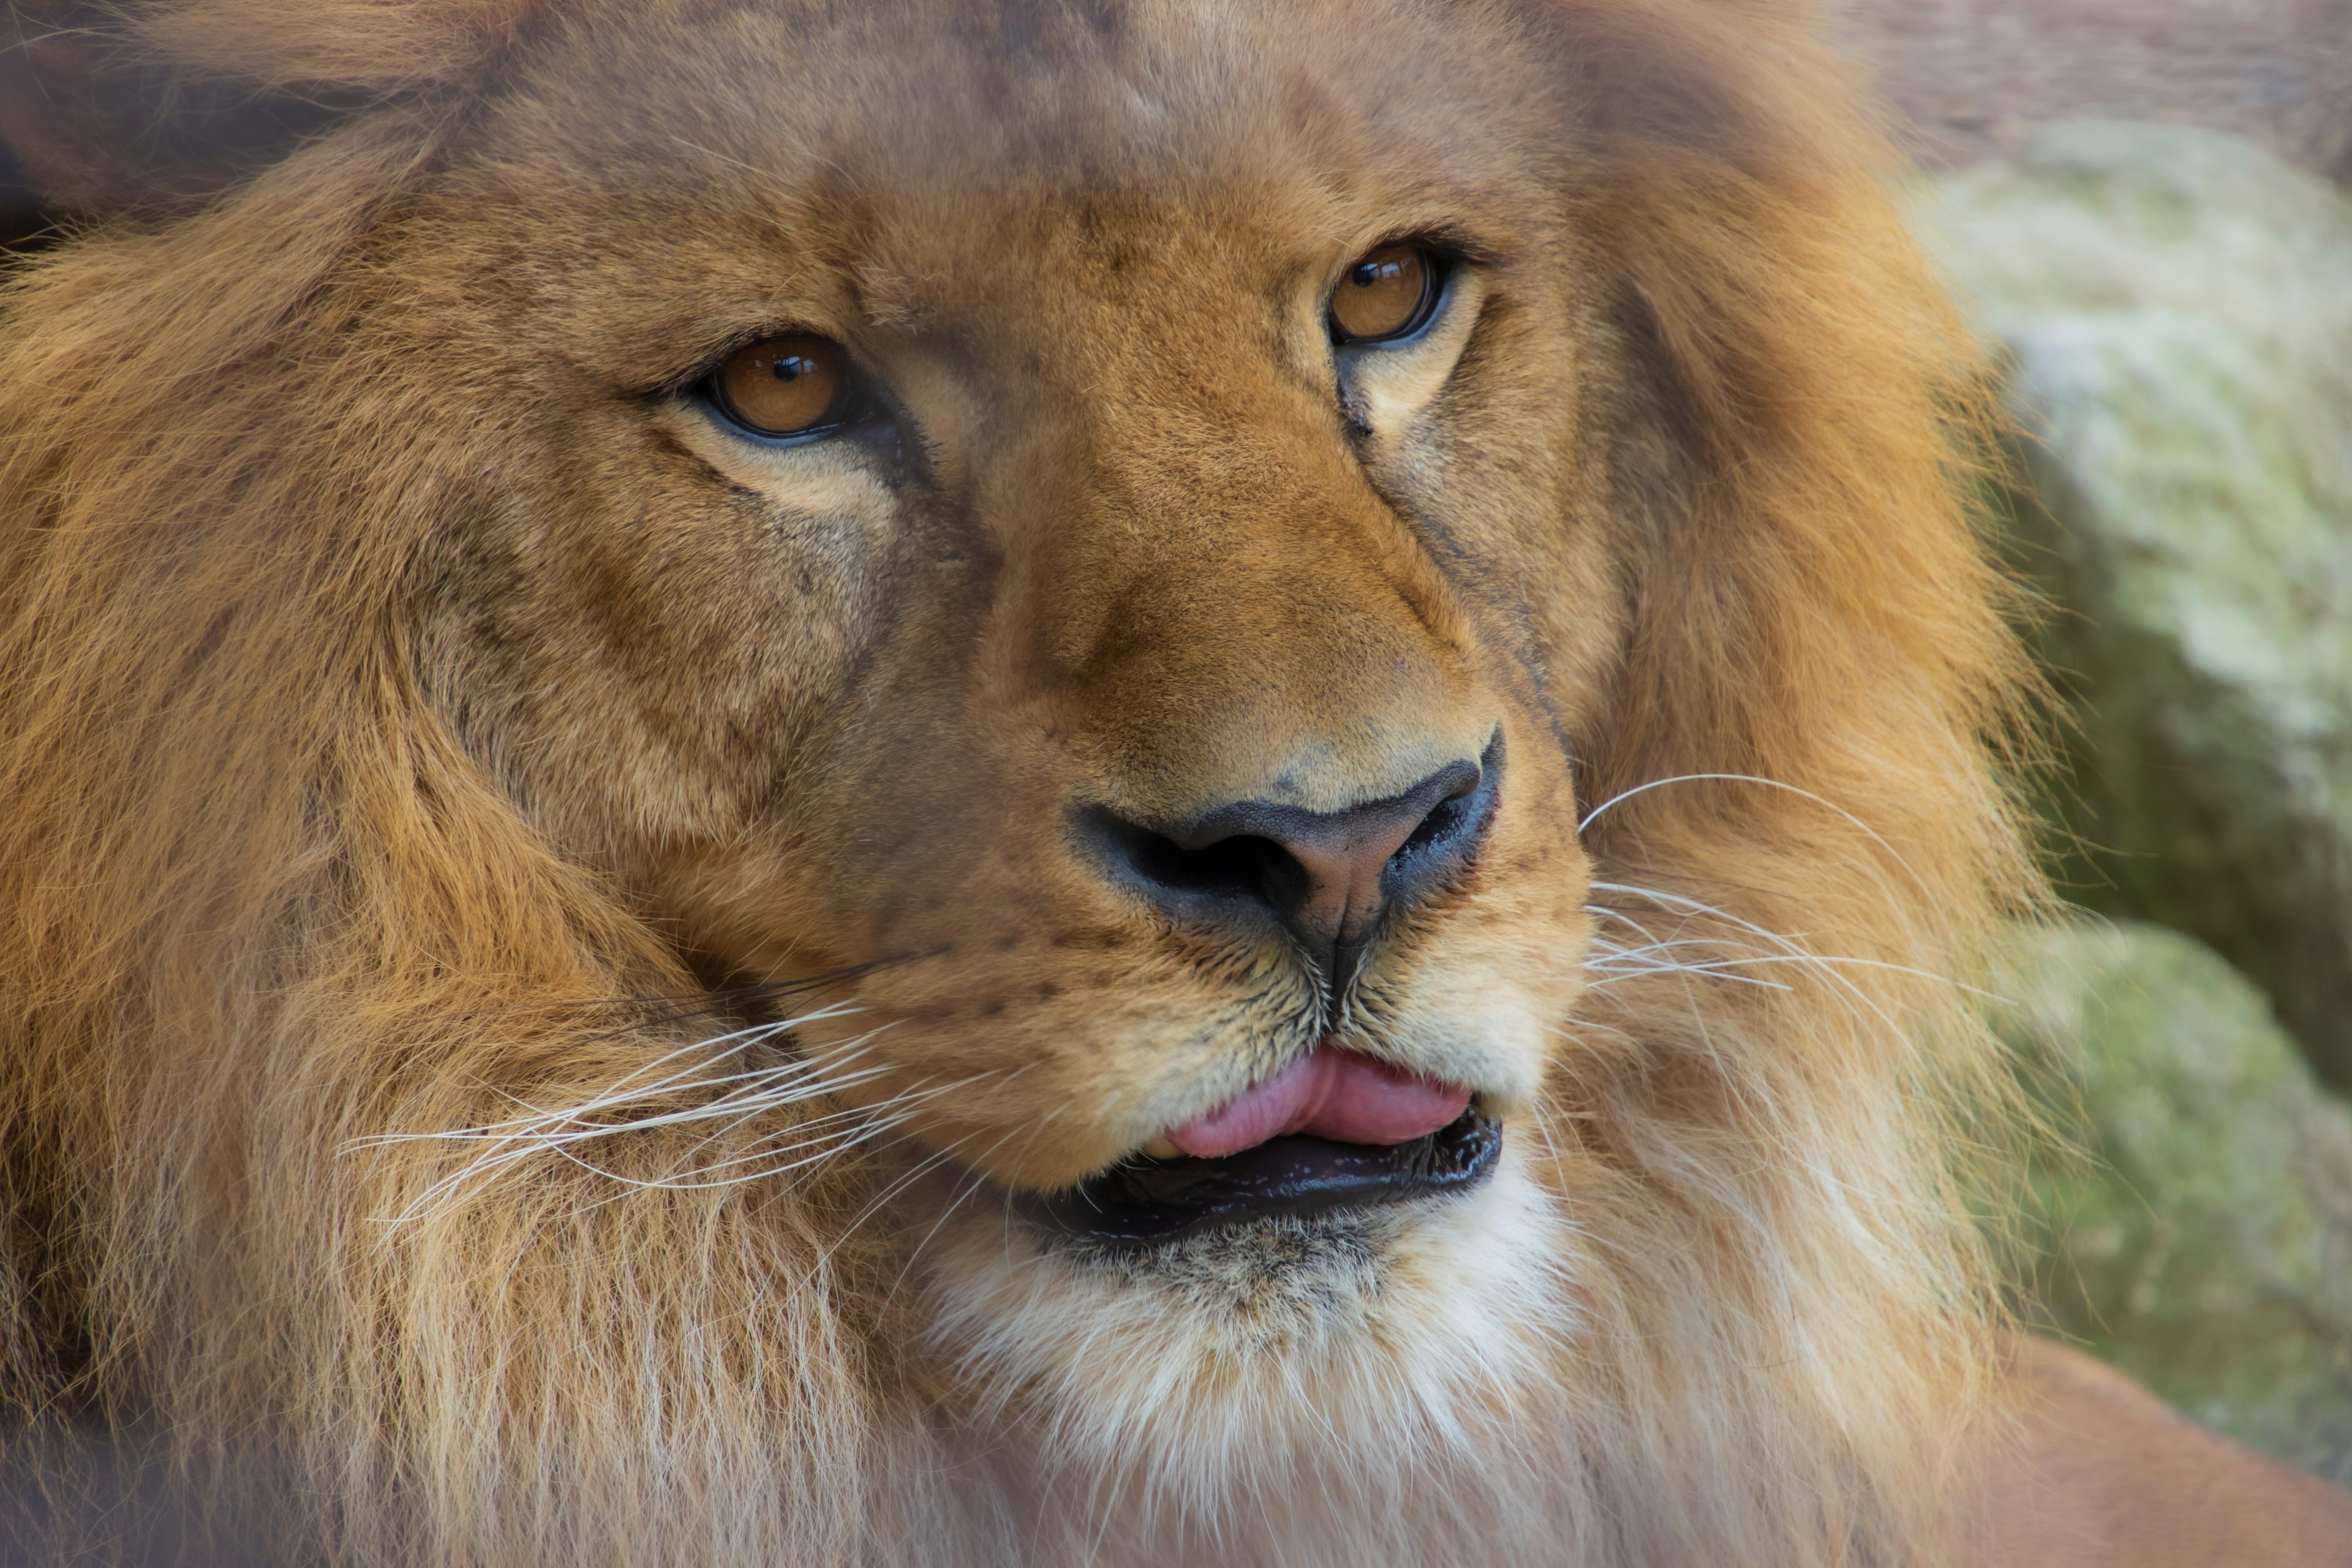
<point>1334,1094</point>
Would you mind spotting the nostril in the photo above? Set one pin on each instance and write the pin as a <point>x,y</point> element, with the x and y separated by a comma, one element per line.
<point>1243,868</point>
<point>1452,826</point>
<point>1445,820</point>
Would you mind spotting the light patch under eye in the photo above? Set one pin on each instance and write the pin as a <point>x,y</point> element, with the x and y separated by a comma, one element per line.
<point>787,385</point>
<point>1388,294</point>
<point>1384,385</point>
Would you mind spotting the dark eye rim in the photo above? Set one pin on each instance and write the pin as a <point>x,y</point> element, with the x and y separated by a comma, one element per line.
<point>1439,265</point>
<point>853,406</point>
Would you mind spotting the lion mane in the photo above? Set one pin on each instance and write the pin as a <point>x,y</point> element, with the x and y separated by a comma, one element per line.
<point>370,1156</point>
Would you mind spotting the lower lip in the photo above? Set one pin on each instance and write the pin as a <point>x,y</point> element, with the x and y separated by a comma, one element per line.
<point>1143,1202</point>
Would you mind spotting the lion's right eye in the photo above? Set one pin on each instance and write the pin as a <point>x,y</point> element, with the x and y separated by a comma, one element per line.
<point>795,384</point>
<point>1389,294</point>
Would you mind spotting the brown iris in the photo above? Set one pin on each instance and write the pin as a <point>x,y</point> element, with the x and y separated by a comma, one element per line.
<point>1385,295</point>
<point>782,386</point>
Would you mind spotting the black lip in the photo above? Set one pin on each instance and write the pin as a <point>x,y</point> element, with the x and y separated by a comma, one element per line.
<point>1143,1202</point>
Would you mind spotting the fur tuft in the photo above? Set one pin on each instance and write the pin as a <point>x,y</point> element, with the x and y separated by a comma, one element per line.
<point>375,47</point>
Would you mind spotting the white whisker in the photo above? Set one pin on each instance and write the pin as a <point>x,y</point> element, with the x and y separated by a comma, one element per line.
<point>1792,952</point>
<point>1828,805</point>
<point>740,1097</point>
<point>1785,944</point>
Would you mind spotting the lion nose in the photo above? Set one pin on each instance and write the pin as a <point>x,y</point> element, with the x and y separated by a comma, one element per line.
<point>1324,876</point>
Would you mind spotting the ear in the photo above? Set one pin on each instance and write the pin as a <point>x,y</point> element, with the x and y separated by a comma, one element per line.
<point>107,105</point>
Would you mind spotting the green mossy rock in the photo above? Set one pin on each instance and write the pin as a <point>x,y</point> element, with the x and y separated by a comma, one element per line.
<point>2177,308</point>
<point>2202,1240</point>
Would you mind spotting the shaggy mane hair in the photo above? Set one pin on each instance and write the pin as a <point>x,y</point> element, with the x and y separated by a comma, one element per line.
<point>260,908</point>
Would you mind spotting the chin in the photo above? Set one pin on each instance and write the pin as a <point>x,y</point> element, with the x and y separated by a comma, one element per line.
<point>1281,1380</point>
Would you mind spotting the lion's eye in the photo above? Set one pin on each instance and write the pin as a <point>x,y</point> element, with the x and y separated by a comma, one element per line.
<point>1388,294</point>
<point>789,385</point>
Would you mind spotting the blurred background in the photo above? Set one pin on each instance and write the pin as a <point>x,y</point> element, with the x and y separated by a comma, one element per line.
<point>2143,204</point>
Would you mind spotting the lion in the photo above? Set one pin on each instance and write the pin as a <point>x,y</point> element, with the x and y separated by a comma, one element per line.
<point>969,781</point>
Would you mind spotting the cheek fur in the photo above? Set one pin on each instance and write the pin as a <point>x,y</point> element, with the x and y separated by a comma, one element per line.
<point>644,663</point>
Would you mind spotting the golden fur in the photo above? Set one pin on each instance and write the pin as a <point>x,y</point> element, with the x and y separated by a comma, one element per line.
<point>435,758</point>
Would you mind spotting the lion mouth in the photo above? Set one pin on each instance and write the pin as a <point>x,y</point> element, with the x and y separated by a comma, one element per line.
<point>1146,1202</point>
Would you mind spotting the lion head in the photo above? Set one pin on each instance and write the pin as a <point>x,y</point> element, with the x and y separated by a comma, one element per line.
<point>968,783</point>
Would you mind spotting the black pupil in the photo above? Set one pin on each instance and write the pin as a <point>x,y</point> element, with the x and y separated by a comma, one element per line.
<point>791,366</point>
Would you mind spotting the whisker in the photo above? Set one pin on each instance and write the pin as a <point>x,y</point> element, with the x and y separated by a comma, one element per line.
<point>741,1096</point>
<point>899,1108</point>
<point>669,1184</point>
<point>972,1183</point>
<point>1829,805</point>
<point>1617,962</point>
<point>1775,938</point>
<point>574,1119</point>
<point>625,1089</point>
<point>930,1161</point>
<point>1792,952</point>
<point>878,1125</point>
<point>1609,980</point>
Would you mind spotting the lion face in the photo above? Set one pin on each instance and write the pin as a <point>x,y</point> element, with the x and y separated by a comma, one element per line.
<point>1101,592</point>
<point>911,762</point>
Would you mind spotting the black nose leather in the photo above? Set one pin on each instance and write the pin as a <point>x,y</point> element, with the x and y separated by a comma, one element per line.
<point>1324,876</point>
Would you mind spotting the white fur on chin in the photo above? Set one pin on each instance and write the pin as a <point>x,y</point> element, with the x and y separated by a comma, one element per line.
<point>1358,1389</point>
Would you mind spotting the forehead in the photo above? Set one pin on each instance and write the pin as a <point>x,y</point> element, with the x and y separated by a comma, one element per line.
<point>912,133</point>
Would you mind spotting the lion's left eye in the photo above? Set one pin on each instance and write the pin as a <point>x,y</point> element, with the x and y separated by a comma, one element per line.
<point>1389,294</point>
<point>796,384</point>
